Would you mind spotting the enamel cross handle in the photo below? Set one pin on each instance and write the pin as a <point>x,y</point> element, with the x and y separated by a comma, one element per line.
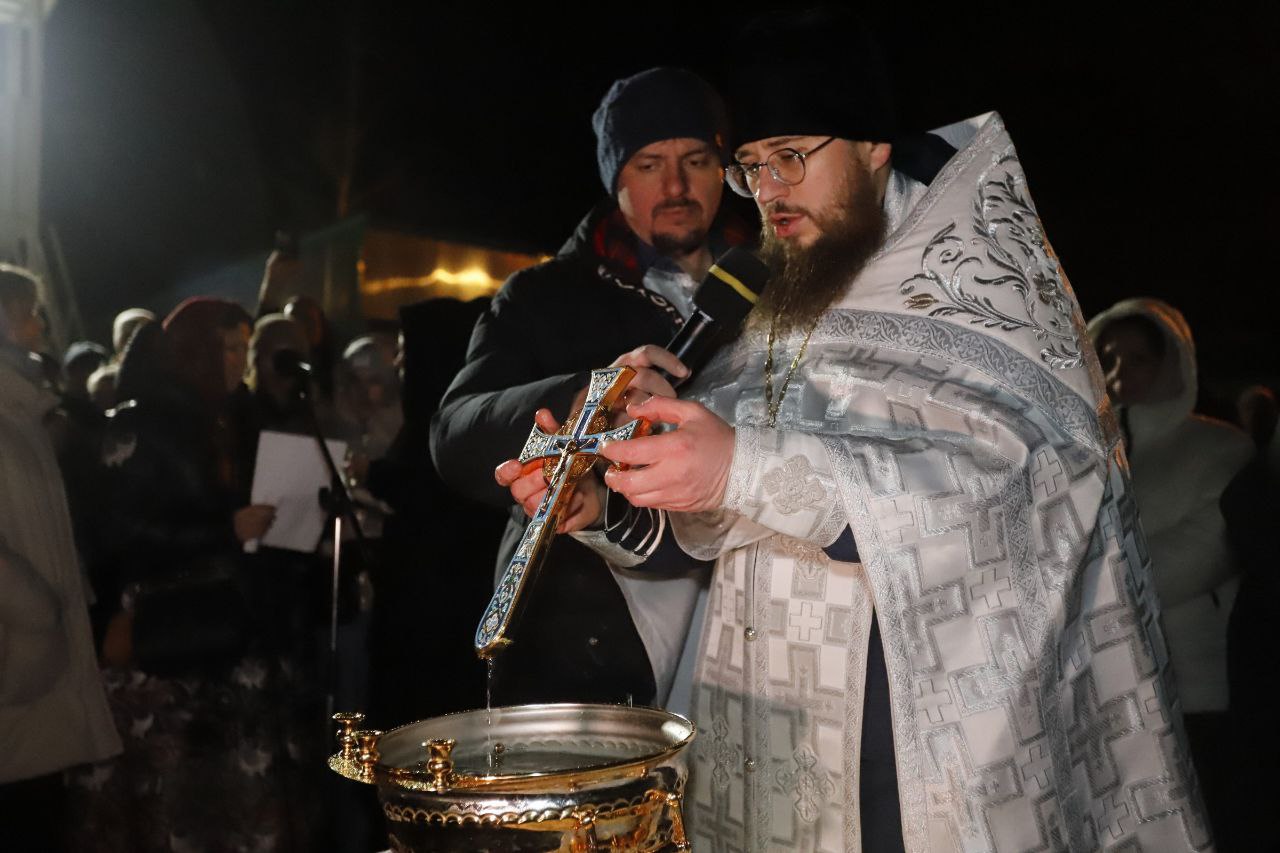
<point>565,457</point>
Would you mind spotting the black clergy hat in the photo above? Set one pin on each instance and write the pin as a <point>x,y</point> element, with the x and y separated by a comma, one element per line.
<point>817,72</point>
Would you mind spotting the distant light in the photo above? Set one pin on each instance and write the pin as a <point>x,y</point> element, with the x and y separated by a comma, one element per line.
<point>469,277</point>
<point>467,283</point>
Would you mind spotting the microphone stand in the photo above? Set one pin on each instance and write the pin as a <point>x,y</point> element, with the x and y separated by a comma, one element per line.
<point>338,506</point>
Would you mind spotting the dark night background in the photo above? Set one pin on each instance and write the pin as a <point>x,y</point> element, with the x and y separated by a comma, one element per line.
<point>181,134</point>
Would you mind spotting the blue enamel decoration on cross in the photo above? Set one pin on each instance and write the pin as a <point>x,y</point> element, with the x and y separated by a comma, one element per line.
<point>566,457</point>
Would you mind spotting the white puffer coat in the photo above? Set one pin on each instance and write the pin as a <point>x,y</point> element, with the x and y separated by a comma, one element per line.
<point>1181,462</point>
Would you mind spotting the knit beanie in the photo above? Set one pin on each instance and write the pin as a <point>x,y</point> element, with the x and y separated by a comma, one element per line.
<point>661,103</point>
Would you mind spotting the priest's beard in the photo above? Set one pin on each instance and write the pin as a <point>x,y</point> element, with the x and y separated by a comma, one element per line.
<point>805,281</point>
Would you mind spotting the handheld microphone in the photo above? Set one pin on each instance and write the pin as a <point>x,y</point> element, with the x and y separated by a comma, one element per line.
<point>732,286</point>
<point>287,362</point>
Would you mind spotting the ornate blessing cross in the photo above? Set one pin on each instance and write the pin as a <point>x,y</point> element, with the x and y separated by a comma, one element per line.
<point>565,457</point>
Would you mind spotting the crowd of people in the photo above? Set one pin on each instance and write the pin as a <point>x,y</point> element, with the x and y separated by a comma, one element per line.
<point>164,686</point>
<point>928,570</point>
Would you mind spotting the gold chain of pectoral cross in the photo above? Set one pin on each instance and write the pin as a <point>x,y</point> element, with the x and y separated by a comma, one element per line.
<point>770,406</point>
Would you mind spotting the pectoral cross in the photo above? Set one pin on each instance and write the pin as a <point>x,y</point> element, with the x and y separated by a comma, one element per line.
<point>565,457</point>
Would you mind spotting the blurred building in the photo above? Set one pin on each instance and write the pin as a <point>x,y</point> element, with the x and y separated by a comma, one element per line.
<point>398,269</point>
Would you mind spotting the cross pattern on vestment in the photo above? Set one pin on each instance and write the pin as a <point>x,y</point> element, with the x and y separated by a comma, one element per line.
<point>1113,625</point>
<point>1038,766</point>
<point>969,794</point>
<point>993,681</point>
<point>1173,793</point>
<point>996,783</point>
<point>1139,592</point>
<point>953,794</point>
<point>805,623</point>
<point>990,589</point>
<point>1073,651</point>
<point>1047,474</point>
<point>931,700</point>
<point>1127,622</point>
<point>565,457</point>
<point>1152,706</point>
<point>896,515</point>
<point>1112,528</point>
<point>908,395</point>
<point>1004,678</point>
<point>1049,820</point>
<point>1114,815</point>
<point>931,606</point>
<point>1095,728</point>
<point>976,509</point>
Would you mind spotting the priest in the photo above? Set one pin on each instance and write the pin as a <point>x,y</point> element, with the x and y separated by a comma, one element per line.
<point>932,624</point>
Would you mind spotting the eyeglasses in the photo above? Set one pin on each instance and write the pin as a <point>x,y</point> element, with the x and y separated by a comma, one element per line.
<point>786,165</point>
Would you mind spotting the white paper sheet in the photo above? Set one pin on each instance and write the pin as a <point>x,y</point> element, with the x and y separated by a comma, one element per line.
<point>289,474</point>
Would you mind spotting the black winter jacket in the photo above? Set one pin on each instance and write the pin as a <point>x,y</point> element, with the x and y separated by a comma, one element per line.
<point>545,330</point>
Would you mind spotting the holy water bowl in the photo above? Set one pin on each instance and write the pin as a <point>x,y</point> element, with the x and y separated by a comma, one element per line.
<point>570,778</point>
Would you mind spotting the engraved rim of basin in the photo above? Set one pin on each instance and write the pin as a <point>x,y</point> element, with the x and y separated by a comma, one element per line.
<point>609,742</point>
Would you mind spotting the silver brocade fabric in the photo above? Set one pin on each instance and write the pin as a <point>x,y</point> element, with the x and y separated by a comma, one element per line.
<point>950,410</point>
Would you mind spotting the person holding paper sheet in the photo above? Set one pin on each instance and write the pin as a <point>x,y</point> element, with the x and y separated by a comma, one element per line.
<point>209,715</point>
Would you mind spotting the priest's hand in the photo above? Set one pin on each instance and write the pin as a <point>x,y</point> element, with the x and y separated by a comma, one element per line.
<point>684,470</point>
<point>647,360</point>
<point>528,487</point>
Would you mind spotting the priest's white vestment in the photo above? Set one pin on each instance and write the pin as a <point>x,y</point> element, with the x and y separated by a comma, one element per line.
<point>949,410</point>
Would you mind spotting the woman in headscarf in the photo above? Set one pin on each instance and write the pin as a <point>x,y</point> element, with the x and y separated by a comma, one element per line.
<point>279,401</point>
<point>206,706</point>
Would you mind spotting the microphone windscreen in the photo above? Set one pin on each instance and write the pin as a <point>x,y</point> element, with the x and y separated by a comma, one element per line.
<point>732,287</point>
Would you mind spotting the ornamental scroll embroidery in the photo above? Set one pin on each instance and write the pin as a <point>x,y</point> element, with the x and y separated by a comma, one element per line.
<point>1008,236</point>
<point>723,753</point>
<point>794,486</point>
<point>811,561</point>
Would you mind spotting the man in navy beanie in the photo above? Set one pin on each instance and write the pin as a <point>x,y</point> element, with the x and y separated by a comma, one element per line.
<point>624,280</point>
<point>660,118</point>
